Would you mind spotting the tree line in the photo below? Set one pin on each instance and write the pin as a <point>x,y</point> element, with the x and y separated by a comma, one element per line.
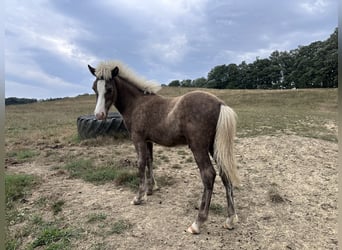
<point>311,66</point>
<point>15,101</point>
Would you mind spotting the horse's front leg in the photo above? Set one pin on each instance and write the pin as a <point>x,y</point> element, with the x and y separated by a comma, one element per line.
<point>141,148</point>
<point>151,182</point>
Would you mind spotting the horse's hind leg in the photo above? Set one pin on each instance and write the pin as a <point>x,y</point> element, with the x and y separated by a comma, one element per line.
<point>232,217</point>
<point>151,182</point>
<point>208,178</point>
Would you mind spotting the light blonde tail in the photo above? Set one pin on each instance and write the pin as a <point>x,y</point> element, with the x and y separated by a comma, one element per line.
<point>224,144</point>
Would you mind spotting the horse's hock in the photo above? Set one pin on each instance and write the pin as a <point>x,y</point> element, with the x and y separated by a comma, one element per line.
<point>89,127</point>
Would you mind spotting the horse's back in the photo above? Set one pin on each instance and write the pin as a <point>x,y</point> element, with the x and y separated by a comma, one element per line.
<point>203,100</point>
<point>197,113</point>
<point>199,105</point>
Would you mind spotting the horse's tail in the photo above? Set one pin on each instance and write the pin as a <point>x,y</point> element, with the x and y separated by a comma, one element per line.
<point>224,144</point>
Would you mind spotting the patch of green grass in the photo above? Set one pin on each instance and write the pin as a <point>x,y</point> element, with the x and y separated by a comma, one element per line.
<point>164,180</point>
<point>79,168</point>
<point>120,227</point>
<point>217,209</point>
<point>23,155</point>
<point>44,234</point>
<point>85,169</point>
<point>128,178</point>
<point>12,244</point>
<point>53,238</point>
<point>100,175</point>
<point>17,186</point>
<point>37,220</point>
<point>76,139</point>
<point>41,202</point>
<point>96,217</point>
<point>57,206</point>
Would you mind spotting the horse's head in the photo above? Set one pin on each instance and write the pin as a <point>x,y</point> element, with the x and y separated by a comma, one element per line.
<point>104,87</point>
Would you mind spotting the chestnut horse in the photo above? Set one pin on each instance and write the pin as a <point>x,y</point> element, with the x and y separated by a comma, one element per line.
<point>197,119</point>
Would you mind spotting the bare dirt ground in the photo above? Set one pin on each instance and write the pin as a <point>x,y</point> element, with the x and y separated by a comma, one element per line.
<point>287,200</point>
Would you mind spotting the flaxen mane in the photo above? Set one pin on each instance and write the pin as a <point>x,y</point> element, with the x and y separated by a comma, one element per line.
<point>103,70</point>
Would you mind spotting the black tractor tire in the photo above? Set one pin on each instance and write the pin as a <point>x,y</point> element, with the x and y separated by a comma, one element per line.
<point>89,127</point>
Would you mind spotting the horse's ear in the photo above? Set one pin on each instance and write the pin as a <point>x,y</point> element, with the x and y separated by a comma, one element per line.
<point>92,70</point>
<point>115,72</point>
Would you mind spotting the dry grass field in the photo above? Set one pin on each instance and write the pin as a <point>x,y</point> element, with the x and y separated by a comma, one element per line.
<point>67,193</point>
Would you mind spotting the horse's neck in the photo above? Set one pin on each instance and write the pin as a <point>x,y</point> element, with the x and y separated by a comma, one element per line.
<point>127,96</point>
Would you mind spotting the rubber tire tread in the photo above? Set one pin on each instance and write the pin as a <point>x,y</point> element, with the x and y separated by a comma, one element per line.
<point>89,127</point>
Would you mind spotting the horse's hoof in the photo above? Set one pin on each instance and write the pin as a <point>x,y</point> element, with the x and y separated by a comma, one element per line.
<point>230,222</point>
<point>194,229</point>
<point>136,201</point>
<point>149,192</point>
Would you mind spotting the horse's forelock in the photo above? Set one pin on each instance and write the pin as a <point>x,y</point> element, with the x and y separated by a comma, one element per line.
<point>104,70</point>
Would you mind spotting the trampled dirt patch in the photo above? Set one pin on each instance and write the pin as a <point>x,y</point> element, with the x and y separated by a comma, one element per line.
<point>287,200</point>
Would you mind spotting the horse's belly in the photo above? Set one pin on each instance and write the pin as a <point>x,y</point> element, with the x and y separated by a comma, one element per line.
<point>171,143</point>
<point>168,137</point>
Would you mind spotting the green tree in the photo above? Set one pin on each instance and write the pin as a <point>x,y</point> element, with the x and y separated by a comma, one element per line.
<point>233,76</point>
<point>329,65</point>
<point>199,82</point>
<point>174,83</point>
<point>186,83</point>
<point>246,80</point>
<point>218,77</point>
<point>277,69</point>
<point>262,73</point>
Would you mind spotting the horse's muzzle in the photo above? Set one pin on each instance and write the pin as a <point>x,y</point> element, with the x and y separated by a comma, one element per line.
<point>101,116</point>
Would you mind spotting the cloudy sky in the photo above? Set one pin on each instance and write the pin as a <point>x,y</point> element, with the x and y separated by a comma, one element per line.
<point>48,43</point>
